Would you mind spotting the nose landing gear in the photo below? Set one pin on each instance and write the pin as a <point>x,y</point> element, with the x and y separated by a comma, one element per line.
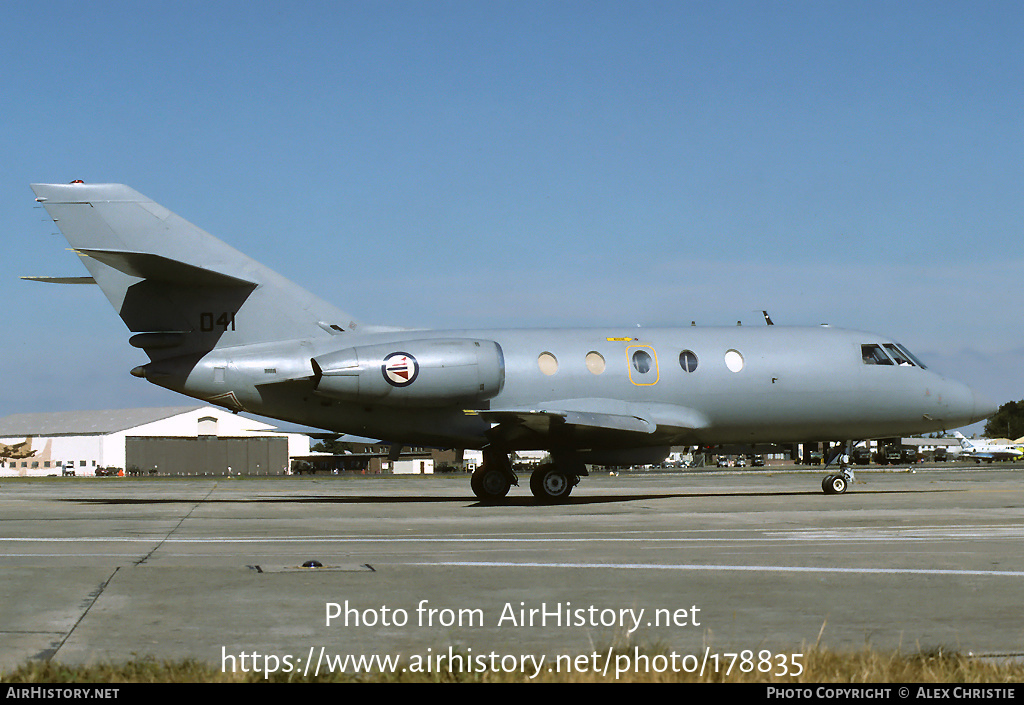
<point>838,483</point>
<point>834,484</point>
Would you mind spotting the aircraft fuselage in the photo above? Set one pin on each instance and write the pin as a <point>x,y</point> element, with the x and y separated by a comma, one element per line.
<point>697,385</point>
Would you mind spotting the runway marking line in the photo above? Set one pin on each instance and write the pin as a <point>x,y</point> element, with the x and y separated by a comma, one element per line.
<point>747,568</point>
<point>809,534</point>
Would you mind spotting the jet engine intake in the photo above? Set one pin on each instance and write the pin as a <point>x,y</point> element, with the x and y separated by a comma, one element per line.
<point>432,372</point>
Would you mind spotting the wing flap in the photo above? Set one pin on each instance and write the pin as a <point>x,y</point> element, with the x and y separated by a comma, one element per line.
<point>542,420</point>
<point>598,414</point>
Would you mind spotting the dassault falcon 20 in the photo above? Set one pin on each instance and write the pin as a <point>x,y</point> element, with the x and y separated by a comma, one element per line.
<point>218,326</point>
<point>987,451</point>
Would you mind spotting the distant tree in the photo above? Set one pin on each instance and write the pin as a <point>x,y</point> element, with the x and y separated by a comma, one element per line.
<point>1008,422</point>
<point>330,445</point>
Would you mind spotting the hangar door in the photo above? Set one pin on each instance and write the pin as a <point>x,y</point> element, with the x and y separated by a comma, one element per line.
<point>206,455</point>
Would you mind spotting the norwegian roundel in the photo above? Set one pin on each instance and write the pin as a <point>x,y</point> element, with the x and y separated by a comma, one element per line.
<point>400,369</point>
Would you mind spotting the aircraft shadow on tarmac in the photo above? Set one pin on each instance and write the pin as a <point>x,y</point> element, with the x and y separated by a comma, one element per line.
<point>508,501</point>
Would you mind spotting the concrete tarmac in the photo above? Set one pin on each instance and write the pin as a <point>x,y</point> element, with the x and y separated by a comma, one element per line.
<point>702,564</point>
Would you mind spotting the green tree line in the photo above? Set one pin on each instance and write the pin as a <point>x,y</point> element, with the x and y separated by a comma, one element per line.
<point>1008,422</point>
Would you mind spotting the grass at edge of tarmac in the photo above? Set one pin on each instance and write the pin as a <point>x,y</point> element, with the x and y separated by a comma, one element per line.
<point>818,666</point>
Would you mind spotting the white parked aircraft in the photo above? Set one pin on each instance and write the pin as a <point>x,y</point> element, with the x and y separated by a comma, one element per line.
<point>987,451</point>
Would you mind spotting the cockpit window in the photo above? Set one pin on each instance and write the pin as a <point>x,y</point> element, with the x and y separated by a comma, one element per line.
<point>895,353</point>
<point>913,358</point>
<point>873,355</point>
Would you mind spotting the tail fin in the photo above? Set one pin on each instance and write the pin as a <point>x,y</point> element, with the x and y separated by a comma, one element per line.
<point>178,288</point>
<point>964,443</point>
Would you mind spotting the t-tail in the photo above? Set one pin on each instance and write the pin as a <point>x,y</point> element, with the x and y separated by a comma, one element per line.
<point>191,302</point>
<point>180,290</point>
<point>964,443</point>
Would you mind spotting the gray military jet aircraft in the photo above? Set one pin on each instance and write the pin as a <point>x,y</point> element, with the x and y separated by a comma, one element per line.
<point>218,326</point>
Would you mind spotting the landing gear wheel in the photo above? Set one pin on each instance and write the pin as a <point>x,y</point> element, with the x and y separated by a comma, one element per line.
<point>535,479</point>
<point>548,484</point>
<point>834,484</point>
<point>490,485</point>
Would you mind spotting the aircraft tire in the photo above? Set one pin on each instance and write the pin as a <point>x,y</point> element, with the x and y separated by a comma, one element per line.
<point>549,485</point>
<point>535,479</point>
<point>489,485</point>
<point>834,484</point>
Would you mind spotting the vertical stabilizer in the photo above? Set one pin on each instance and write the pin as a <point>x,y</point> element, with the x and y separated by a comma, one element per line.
<point>179,289</point>
<point>964,443</point>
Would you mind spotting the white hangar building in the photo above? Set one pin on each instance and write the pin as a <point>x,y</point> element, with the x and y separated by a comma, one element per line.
<point>179,440</point>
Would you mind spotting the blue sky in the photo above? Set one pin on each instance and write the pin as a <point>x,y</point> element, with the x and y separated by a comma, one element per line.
<point>520,164</point>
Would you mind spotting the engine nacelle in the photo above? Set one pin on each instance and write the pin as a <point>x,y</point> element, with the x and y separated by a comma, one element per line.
<point>413,372</point>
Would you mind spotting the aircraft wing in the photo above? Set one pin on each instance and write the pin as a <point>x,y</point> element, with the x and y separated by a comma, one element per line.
<point>543,420</point>
<point>593,415</point>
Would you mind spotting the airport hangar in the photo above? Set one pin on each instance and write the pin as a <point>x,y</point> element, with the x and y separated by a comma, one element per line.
<point>178,440</point>
<point>185,440</point>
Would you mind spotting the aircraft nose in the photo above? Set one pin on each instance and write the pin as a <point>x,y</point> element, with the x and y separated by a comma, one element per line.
<point>966,406</point>
<point>983,406</point>
<point>962,405</point>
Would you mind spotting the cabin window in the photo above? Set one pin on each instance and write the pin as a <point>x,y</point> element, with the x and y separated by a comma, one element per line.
<point>874,355</point>
<point>642,361</point>
<point>595,362</point>
<point>643,365</point>
<point>548,363</point>
<point>688,360</point>
<point>734,360</point>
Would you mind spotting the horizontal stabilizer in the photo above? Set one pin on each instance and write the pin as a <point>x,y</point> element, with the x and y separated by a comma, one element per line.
<point>162,269</point>
<point>61,280</point>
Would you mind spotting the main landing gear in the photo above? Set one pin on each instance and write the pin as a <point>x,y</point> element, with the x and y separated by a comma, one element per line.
<point>550,483</point>
<point>838,483</point>
<point>494,478</point>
